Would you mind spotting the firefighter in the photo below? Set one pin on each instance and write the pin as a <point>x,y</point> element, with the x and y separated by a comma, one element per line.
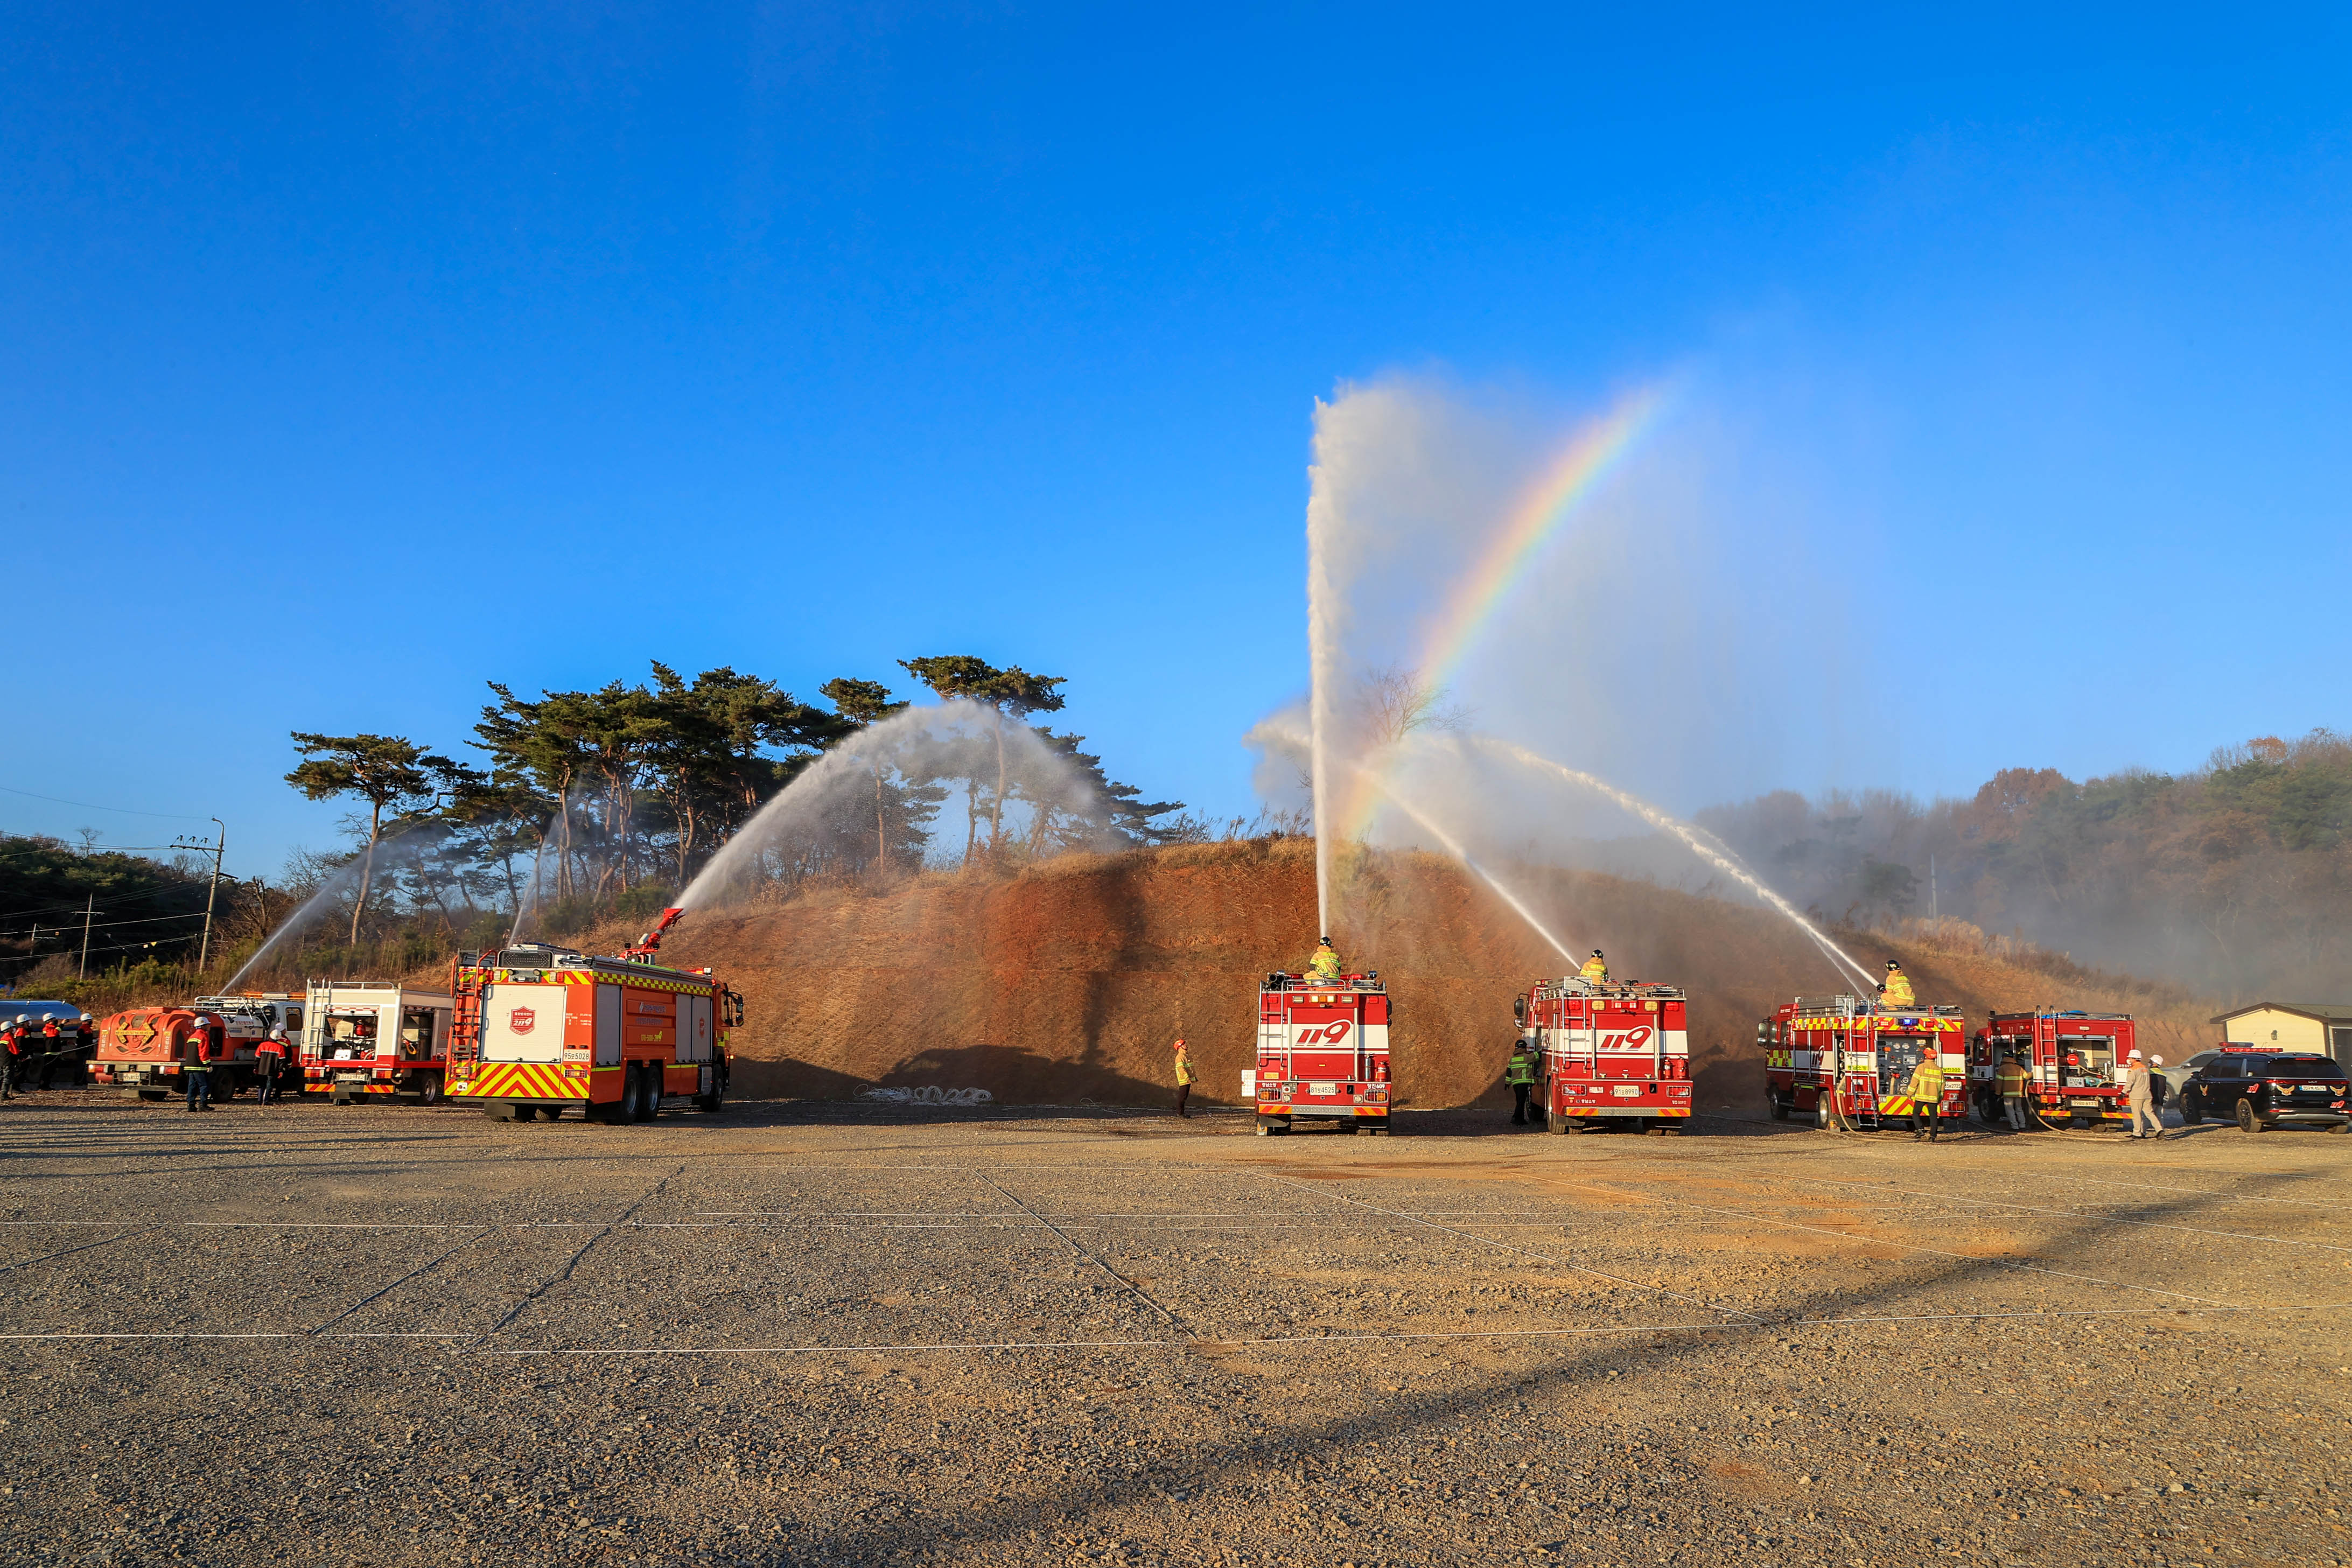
<point>2141,1097</point>
<point>1184,1078</point>
<point>1596,969</point>
<point>12,1059</point>
<point>1927,1093</point>
<point>197,1068</point>
<point>1897,991</point>
<point>270,1057</point>
<point>52,1042</point>
<point>1325,965</point>
<point>1521,1076</point>
<point>2009,1080</point>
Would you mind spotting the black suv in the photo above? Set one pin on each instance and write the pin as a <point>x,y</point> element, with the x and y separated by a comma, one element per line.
<point>2262,1089</point>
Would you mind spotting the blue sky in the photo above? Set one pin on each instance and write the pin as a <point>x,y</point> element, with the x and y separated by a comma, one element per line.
<point>349,358</point>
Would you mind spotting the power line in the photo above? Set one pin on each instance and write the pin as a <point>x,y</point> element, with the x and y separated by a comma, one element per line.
<point>85,805</point>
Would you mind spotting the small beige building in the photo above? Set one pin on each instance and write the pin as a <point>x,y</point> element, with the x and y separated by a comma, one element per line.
<point>2321,1026</point>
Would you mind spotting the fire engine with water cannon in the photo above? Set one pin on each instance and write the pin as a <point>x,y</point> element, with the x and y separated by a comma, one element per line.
<point>2074,1066</point>
<point>1610,1053</point>
<point>539,1030</point>
<point>142,1050</point>
<point>1322,1053</point>
<point>1847,1062</point>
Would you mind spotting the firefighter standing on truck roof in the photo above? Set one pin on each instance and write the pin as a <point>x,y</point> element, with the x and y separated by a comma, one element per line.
<point>1184,1078</point>
<point>1521,1076</point>
<point>1325,965</point>
<point>1927,1094</point>
<point>1897,992</point>
<point>1596,969</point>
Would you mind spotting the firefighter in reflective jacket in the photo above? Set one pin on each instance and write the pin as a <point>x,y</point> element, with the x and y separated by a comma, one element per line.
<point>1927,1093</point>
<point>1596,968</point>
<point>1325,965</point>
<point>1897,992</point>
<point>1521,1076</point>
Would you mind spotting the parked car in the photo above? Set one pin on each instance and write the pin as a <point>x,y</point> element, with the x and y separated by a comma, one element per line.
<point>2260,1088</point>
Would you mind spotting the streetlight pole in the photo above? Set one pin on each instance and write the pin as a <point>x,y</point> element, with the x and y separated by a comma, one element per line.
<point>205,950</point>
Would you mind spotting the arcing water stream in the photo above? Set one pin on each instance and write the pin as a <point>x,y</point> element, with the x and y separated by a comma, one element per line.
<point>1699,842</point>
<point>840,796</point>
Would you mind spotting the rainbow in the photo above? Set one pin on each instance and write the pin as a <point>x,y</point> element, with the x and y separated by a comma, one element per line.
<point>1464,618</point>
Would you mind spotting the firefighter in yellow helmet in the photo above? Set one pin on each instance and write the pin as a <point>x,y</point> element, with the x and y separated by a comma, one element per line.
<point>1596,969</point>
<point>1897,992</point>
<point>1325,965</point>
<point>1926,1092</point>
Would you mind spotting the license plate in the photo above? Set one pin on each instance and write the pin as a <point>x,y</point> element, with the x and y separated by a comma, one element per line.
<point>1322,1088</point>
<point>1626,1091</point>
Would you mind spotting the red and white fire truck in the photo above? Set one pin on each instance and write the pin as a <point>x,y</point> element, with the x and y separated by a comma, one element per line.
<point>1322,1053</point>
<point>1846,1061</point>
<point>2073,1063</point>
<point>541,1030</point>
<point>371,1039</point>
<point>141,1050</point>
<point>1609,1054</point>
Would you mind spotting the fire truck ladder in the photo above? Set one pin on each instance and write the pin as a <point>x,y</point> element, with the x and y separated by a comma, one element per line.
<point>464,1017</point>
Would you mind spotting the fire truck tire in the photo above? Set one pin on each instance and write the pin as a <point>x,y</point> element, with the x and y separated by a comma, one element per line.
<point>1822,1117</point>
<point>429,1088</point>
<point>1779,1106</point>
<point>647,1104</point>
<point>2247,1121</point>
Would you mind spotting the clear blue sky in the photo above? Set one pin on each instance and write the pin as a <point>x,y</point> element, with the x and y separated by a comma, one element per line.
<point>349,358</point>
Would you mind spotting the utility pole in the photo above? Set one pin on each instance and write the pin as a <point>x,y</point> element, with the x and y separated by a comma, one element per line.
<point>205,951</point>
<point>1935,905</point>
<point>88,910</point>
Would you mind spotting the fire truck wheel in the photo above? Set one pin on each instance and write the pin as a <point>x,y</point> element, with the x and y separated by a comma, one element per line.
<point>2247,1121</point>
<point>1779,1106</point>
<point>1822,1118</point>
<point>648,1104</point>
<point>429,1088</point>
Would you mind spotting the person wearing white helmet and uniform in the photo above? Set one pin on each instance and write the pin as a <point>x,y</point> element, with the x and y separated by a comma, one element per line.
<point>2140,1095</point>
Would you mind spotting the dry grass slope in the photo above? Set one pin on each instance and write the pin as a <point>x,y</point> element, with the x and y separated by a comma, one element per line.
<point>1067,983</point>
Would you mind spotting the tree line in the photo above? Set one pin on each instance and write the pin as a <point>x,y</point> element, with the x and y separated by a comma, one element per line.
<point>589,799</point>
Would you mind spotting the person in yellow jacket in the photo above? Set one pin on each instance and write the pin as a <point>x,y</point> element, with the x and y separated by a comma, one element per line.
<point>1520,1074</point>
<point>1184,1078</point>
<point>1596,969</point>
<point>2008,1081</point>
<point>1927,1093</point>
<point>1897,992</point>
<point>1325,965</point>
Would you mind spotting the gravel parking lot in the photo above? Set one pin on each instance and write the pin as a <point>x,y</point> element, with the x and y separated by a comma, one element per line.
<point>796,1333</point>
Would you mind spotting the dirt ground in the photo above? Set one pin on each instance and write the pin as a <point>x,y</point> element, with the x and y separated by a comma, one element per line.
<point>799,1333</point>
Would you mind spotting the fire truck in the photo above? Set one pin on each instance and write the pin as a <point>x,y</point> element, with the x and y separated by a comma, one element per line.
<point>2073,1064</point>
<point>372,1040</point>
<point>1322,1053</point>
<point>140,1050</point>
<point>541,1030</point>
<point>1609,1054</point>
<point>1848,1062</point>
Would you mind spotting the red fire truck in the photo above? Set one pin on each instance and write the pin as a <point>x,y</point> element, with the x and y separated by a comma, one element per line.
<point>371,1039</point>
<point>2073,1063</point>
<point>1609,1054</point>
<point>1846,1061</point>
<point>541,1030</point>
<point>1322,1053</point>
<point>140,1051</point>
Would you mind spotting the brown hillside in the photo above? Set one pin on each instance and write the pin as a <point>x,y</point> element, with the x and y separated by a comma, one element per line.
<point>1068,982</point>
